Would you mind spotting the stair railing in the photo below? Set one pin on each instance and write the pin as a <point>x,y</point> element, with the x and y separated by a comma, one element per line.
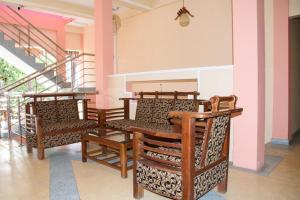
<point>82,76</point>
<point>36,73</point>
<point>27,36</point>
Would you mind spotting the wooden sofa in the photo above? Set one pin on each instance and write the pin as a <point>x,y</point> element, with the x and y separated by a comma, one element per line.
<point>152,110</point>
<point>56,122</point>
<point>174,163</point>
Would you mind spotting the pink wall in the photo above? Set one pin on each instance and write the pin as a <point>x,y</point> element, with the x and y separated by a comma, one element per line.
<point>48,21</point>
<point>103,49</point>
<point>45,21</point>
<point>281,104</point>
<point>248,39</point>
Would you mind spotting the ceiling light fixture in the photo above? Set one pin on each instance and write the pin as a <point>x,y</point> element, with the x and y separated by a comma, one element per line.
<point>116,23</point>
<point>20,7</point>
<point>183,15</point>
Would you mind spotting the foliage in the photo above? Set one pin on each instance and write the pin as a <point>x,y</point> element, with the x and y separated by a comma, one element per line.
<point>9,73</point>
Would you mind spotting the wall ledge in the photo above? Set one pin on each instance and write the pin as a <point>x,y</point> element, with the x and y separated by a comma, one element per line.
<point>173,70</point>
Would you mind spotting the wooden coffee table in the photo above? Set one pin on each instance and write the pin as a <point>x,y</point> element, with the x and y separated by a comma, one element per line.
<point>113,150</point>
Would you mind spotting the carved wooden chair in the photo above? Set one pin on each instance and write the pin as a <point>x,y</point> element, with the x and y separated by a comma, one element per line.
<point>174,163</point>
<point>56,122</point>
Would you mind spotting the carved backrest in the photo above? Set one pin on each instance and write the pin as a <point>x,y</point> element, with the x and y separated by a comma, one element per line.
<point>46,110</point>
<point>186,105</point>
<point>156,110</point>
<point>220,103</point>
<point>56,110</point>
<point>144,110</point>
<point>161,109</point>
<point>67,110</point>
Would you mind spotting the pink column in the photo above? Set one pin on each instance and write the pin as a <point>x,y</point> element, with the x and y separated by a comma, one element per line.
<point>103,49</point>
<point>248,43</point>
<point>281,131</point>
<point>61,41</point>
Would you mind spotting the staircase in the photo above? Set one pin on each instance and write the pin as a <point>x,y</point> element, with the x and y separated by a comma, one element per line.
<point>20,53</point>
<point>27,46</point>
<point>51,69</point>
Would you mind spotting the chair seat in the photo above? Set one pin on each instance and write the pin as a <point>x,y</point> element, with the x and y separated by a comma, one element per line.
<point>65,126</point>
<point>126,124</point>
<point>66,136</point>
<point>122,124</point>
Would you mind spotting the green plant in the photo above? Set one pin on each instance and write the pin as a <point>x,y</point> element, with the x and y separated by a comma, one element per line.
<point>9,73</point>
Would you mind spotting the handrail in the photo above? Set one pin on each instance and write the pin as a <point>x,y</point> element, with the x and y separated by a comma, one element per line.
<point>36,29</point>
<point>20,31</point>
<point>36,72</point>
<point>43,71</point>
<point>28,26</point>
<point>70,94</point>
<point>42,92</point>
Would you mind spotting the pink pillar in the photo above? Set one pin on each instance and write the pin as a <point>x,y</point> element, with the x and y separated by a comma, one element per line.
<point>103,49</point>
<point>61,41</point>
<point>281,131</point>
<point>248,43</point>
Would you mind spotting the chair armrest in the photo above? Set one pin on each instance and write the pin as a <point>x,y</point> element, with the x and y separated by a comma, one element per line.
<point>34,124</point>
<point>30,124</point>
<point>93,114</point>
<point>205,115</point>
<point>170,132</point>
<point>111,114</point>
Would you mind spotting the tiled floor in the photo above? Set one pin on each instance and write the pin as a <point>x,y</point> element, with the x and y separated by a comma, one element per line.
<point>22,176</point>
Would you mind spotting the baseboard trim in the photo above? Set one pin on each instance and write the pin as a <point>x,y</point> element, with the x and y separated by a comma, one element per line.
<point>276,141</point>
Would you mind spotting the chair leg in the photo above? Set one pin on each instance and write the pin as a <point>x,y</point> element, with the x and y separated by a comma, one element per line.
<point>41,153</point>
<point>123,160</point>
<point>29,148</point>
<point>84,150</point>
<point>138,191</point>
<point>222,187</point>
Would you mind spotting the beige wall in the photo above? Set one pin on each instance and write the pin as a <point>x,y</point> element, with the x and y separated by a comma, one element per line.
<point>164,85</point>
<point>295,74</point>
<point>294,7</point>
<point>74,38</point>
<point>269,67</point>
<point>74,41</point>
<point>89,39</point>
<point>154,40</point>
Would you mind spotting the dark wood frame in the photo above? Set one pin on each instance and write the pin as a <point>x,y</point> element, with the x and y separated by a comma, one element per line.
<point>34,123</point>
<point>187,133</point>
<point>108,147</point>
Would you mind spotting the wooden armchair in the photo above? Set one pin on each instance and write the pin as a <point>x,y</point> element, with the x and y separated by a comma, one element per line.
<point>174,163</point>
<point>56,122</point>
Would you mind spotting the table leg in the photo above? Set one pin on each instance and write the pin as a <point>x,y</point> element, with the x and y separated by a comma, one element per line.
<point>123,160</point>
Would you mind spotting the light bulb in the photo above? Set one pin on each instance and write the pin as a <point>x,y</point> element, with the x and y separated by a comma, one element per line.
<point>184,20</point>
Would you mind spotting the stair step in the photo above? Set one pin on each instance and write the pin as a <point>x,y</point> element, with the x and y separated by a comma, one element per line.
<point>9,44</point>
<point>86,89</point>
<point>1,36</point>
<point>65,85</point>
<point>39,66</point>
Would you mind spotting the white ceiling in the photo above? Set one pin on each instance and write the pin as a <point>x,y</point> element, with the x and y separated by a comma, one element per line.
<point>83,3</point>
<point>82,12</point>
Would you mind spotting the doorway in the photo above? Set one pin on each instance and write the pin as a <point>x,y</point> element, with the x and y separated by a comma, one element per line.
<point>294,48</point>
